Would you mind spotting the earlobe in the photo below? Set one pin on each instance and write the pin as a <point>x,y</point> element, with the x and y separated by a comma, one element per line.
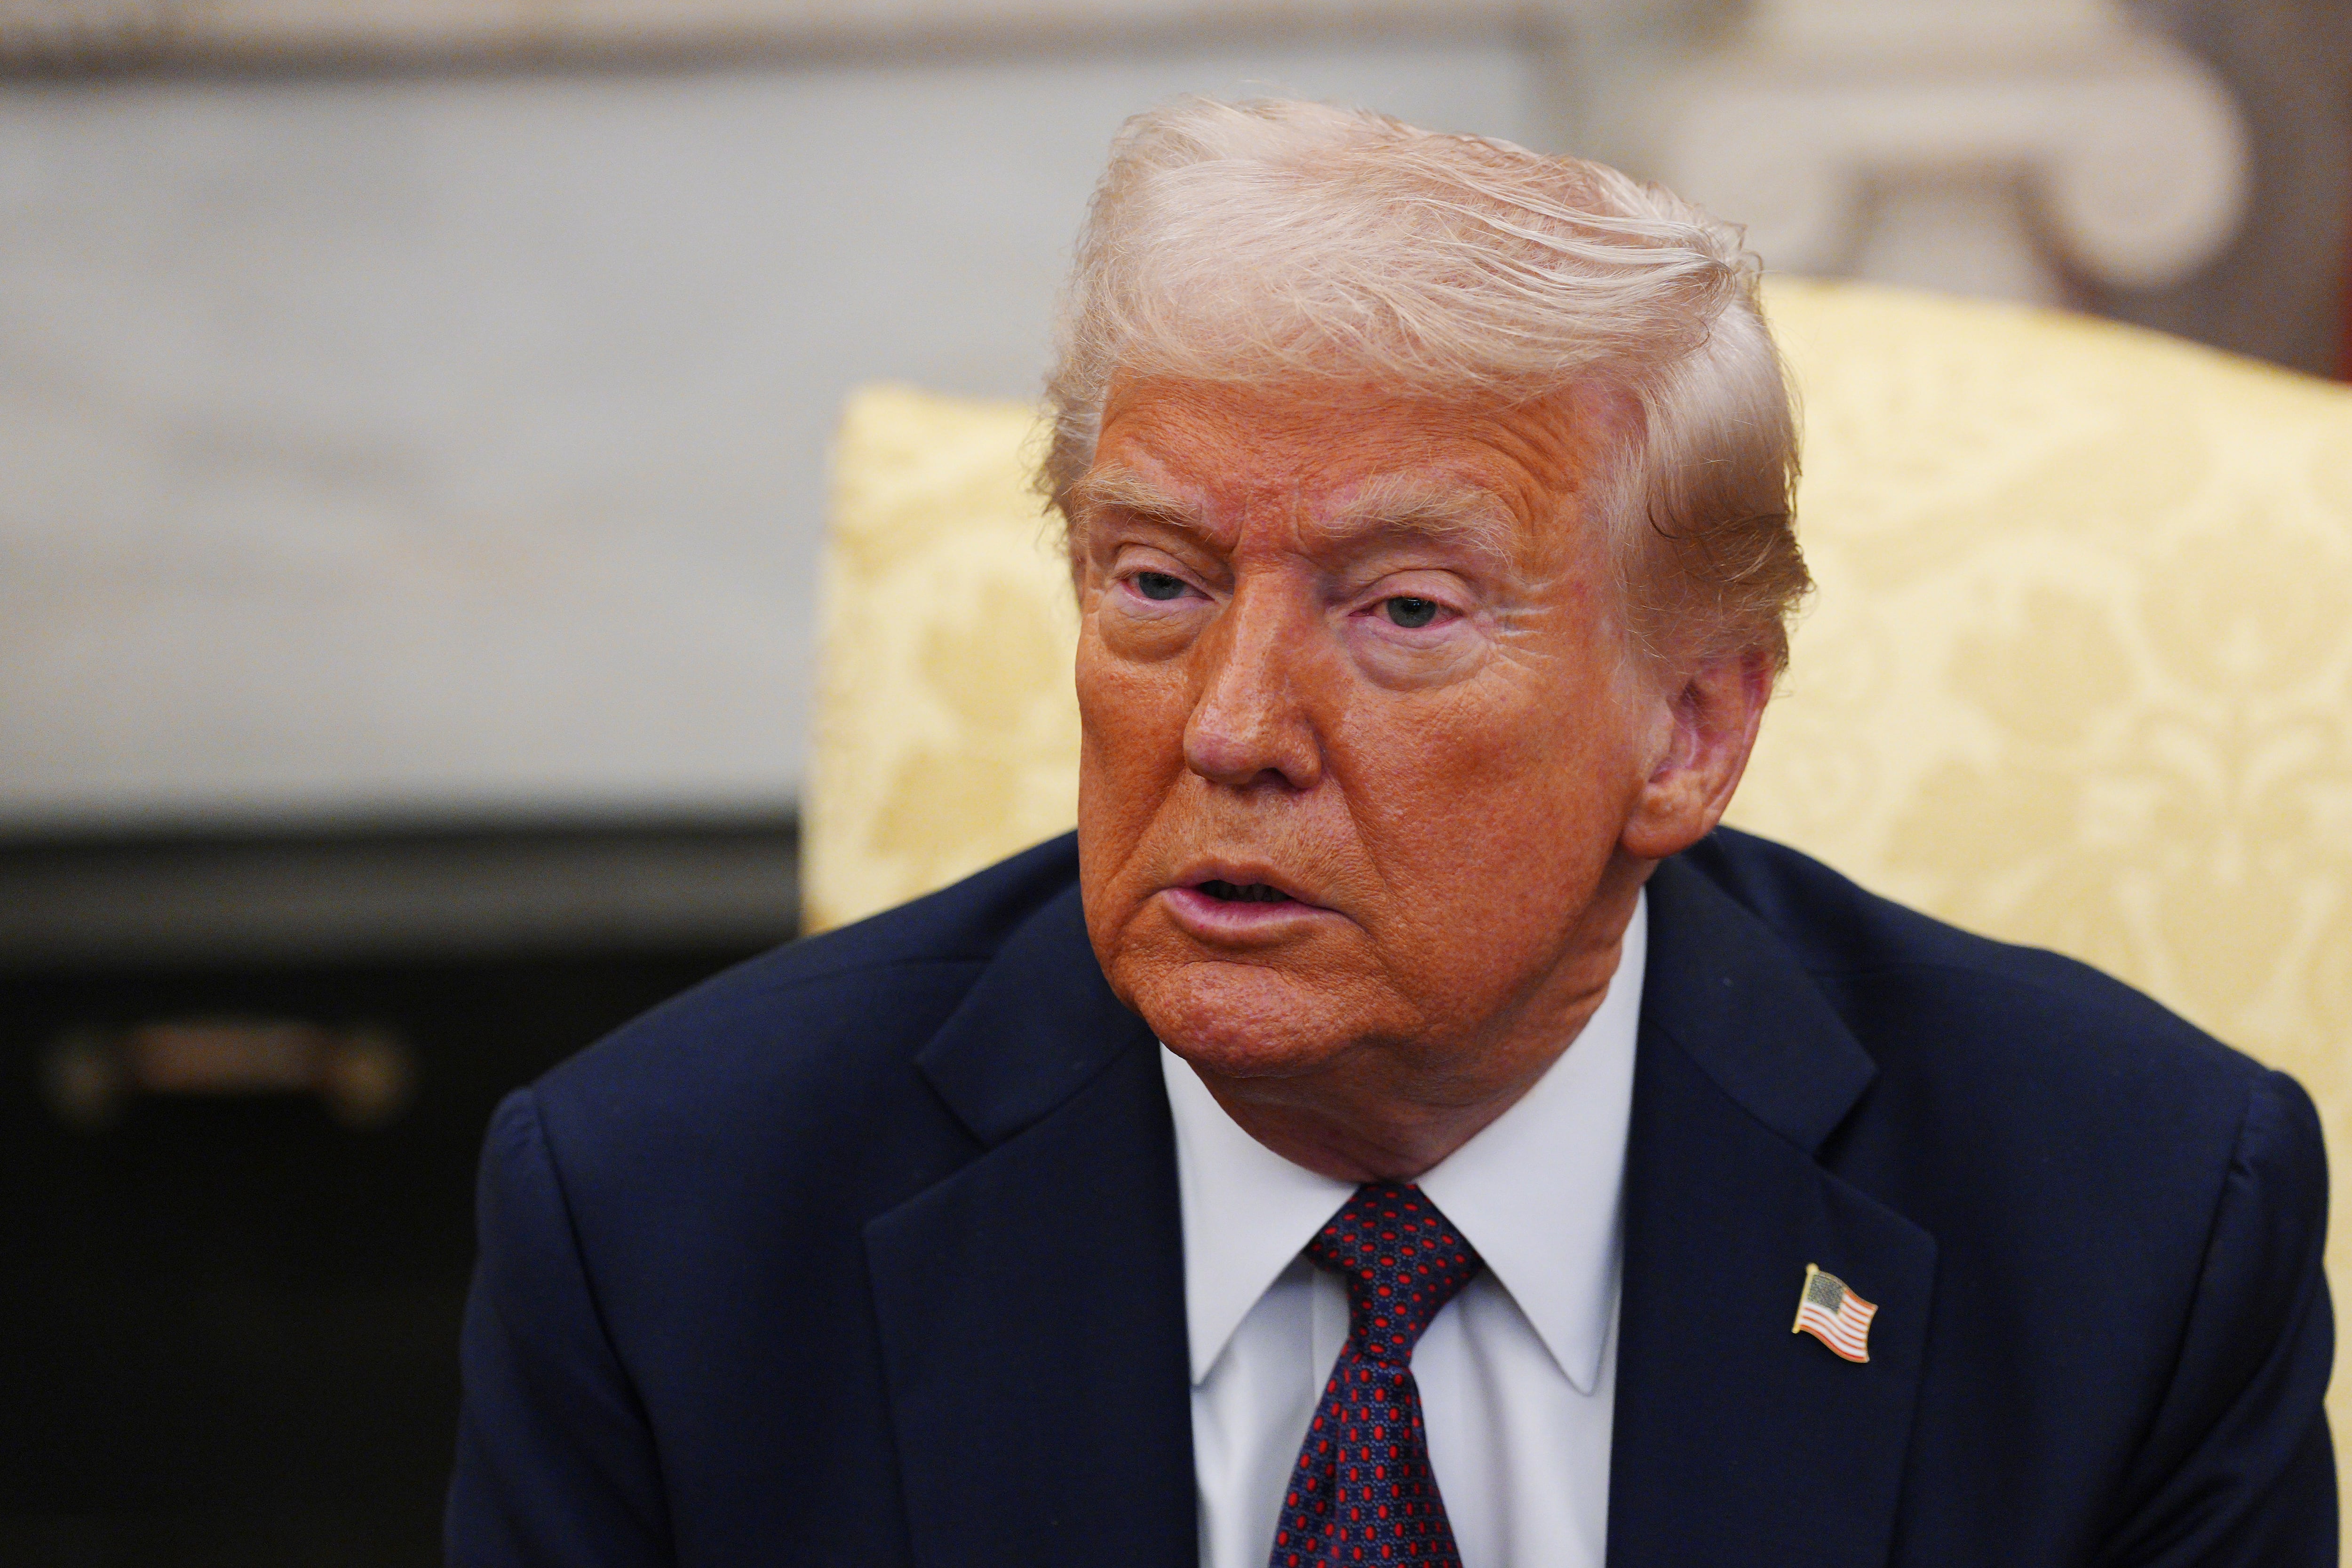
<point>1711,723</point>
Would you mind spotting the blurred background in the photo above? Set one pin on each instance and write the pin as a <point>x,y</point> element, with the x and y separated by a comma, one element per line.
<point>413,465</point>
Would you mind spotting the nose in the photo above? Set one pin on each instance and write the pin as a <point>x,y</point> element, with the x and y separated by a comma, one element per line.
<point>1250,727</point>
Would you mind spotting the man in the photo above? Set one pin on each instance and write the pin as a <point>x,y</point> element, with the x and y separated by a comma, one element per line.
<point>1399,1128</point>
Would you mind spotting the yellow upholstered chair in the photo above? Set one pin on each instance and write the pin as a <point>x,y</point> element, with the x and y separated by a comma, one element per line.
<point>2079,672</point>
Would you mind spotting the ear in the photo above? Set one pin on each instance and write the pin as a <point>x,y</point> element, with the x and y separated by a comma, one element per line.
<point>1708,728</point>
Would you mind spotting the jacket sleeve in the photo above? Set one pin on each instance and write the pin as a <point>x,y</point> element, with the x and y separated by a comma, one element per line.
<point>2238,1468</point>
<point>556,1460</point>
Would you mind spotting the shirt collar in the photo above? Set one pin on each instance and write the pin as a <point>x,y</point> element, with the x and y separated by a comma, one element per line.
<point>1537,1192</point>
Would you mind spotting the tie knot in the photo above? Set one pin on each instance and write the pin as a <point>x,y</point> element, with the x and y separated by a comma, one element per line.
<point>1401,1262</point>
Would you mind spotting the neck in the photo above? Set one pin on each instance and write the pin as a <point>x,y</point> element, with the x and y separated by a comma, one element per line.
<point>1392,1112</point>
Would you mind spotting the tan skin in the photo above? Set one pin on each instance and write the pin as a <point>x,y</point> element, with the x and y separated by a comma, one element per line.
<point>1357,658</point>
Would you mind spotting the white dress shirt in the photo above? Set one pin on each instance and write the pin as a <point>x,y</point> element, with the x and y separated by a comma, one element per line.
<point>1517,1374</point>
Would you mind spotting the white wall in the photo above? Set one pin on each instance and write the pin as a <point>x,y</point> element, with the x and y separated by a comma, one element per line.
<point>420,445</point>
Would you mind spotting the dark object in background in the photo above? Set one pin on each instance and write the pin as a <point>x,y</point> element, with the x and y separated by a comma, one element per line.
<point>243,1085</point>
<point>2278,291</point>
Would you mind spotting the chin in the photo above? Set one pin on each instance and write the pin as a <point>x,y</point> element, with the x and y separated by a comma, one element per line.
<point>1239,1019</point>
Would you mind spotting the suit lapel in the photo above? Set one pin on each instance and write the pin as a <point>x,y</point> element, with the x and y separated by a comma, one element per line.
<point>1032,1305</point>
<point>1737,1440</point>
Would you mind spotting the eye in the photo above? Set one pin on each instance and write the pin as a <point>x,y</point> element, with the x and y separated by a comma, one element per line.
<point>1410,612</point>
<point>1159,585</point>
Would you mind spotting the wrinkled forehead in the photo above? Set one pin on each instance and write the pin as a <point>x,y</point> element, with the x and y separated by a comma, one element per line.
<point>1334,463</point>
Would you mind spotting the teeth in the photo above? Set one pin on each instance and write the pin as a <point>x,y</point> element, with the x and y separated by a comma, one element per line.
<point>1255,893</point>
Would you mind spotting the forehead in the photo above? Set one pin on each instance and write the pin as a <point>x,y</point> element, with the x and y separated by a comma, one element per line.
<point>1225,456</point>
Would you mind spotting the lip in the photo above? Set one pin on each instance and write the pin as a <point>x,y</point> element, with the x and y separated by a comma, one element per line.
<point>1219,921</point>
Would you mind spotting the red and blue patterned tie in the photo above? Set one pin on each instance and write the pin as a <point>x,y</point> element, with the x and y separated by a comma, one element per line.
<point>1362,1490</point>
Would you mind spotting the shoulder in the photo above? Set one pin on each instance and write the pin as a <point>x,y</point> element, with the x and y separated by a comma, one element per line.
<point>2128,1214</point>
<point>1870,954</point>
<point>808,1047</point>
<point>2005,1075</point>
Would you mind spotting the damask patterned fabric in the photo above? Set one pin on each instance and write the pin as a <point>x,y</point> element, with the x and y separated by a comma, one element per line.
<point>947,733</point>
<point>2079,672</point>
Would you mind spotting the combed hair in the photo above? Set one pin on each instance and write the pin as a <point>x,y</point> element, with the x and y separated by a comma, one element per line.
<point>1268,242</point>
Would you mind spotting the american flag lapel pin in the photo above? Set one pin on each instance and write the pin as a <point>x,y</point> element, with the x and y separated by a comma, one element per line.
<point>1833,1314</point>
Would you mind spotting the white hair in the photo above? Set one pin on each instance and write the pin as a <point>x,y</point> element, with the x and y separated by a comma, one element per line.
<point>1280,241</point>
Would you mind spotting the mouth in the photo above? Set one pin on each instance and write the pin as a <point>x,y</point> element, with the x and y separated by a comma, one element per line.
<point>1242,892</point>
<point>1225,906</point>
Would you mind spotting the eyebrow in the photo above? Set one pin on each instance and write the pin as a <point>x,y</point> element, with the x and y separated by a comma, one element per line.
<point>1393,505</point>
<point>1418,506</point>
<point>1123,489</point>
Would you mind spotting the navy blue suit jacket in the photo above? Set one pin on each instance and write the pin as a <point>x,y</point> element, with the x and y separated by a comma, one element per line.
<point>867,1253</point>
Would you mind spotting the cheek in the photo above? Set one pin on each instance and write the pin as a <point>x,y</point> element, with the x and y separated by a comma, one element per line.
<point>1129,709</point>
<point>1495,808</point>
<point>1529,725</point>
<point>1131,720</point>
<point>1451,792</point>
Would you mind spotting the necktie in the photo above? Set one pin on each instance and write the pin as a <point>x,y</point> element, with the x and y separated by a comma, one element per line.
<point>1362,1490</point>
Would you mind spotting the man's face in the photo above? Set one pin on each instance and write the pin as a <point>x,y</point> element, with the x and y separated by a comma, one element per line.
<point>1361,731</point>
